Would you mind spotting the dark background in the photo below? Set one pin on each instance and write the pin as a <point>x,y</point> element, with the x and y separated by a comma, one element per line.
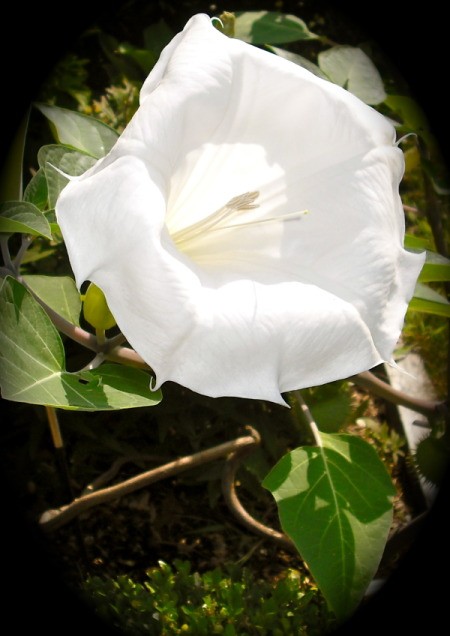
<point>34,37</point>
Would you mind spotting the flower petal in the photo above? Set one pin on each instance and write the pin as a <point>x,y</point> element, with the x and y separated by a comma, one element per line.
<point>270,299</point>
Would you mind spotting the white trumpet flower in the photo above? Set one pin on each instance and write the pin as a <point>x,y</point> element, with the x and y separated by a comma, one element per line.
<point>246,228</point>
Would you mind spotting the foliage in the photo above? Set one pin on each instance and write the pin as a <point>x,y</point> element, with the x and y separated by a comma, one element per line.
<point>322,499</point>
<point>40,312</point>
<point>228,602</point>
<point>389,444</point>
<point>431,458</point>
<point>67,85</point>
<point>117,106</point>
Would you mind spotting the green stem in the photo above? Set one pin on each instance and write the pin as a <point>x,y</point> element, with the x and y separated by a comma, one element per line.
<point>307,418</point>
<point>9,265</point>
<point>101,337</point>
<point>26,242</point>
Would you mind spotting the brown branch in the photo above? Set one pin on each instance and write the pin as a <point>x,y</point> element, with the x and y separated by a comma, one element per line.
<point>110,347</point>
<point>53,519</point>
<point>114,469</point>
<point>125,355</point>
<point>384,390</point>
<point>232,500</point>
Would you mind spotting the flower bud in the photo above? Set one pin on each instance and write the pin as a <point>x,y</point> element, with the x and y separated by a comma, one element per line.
<point>96,310</point>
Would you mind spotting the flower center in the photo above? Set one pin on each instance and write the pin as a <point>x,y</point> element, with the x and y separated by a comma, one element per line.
<point>220,220</point>
<point>217,220</point>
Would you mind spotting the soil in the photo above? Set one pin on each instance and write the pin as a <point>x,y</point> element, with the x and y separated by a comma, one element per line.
<point>184,517</point>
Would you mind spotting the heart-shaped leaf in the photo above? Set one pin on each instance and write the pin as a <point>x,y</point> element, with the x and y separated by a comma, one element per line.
<point>350,67</point>
<point>335,504</point>
<point>32,363</point>
<point>80,131</point>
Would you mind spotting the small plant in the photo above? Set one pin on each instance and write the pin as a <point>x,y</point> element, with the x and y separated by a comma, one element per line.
<point>117,106</point>
<point>389,444</point>
<point>178,601</point>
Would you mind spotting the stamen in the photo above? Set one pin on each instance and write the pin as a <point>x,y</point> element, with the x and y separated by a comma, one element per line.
<point>291,216</point>
<point>219,220</point>
<point>241,202</point>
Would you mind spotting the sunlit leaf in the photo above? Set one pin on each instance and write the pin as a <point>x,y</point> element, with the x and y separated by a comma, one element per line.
<point>298,59</point>
<point>436,268</point>
<point>417,243</point>
<point>351,68</point>
<point>67,160</point>
<point>59,293</point>
<point>79,131</point>
<point>24,217</point>
<point>32,364</point>
<point>270,27</point>
<point>335,504</point>
<point>429,301</point>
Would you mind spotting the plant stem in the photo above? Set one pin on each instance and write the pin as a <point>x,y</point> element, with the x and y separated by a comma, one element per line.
<point>101,337</point>
<point>55,429</point>
<point>112,350</point>
<point>384,390</point>
<point>53,519</point>
<point>26,242</point>
<point>308,419</point>
<point>6,254</point>
<point>240,513</point>
<point>125,355</point>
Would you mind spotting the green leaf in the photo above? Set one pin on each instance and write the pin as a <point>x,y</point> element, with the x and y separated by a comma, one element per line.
<point>429,301</point>
<point>32,364</point>
<point>335,504</point>
<point>412,116</point>
<point>157,36</point>
<point>79,131</point>
<point>70,161</point>
<point>270,27</point>
<point>38,252</point>
<point>299,60</point>
<point>144,59</point>
<point>36,191</point>
<point>59,293</point>
<point>330,414</point>
<point>118,387</point>
<point>436,268</point>
<point>351,68</point>
<point>415,243</point>
<point>121,66</point>
<point>20,216</point>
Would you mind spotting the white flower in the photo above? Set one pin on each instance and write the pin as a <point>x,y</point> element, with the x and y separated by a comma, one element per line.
<point>247,228</point>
